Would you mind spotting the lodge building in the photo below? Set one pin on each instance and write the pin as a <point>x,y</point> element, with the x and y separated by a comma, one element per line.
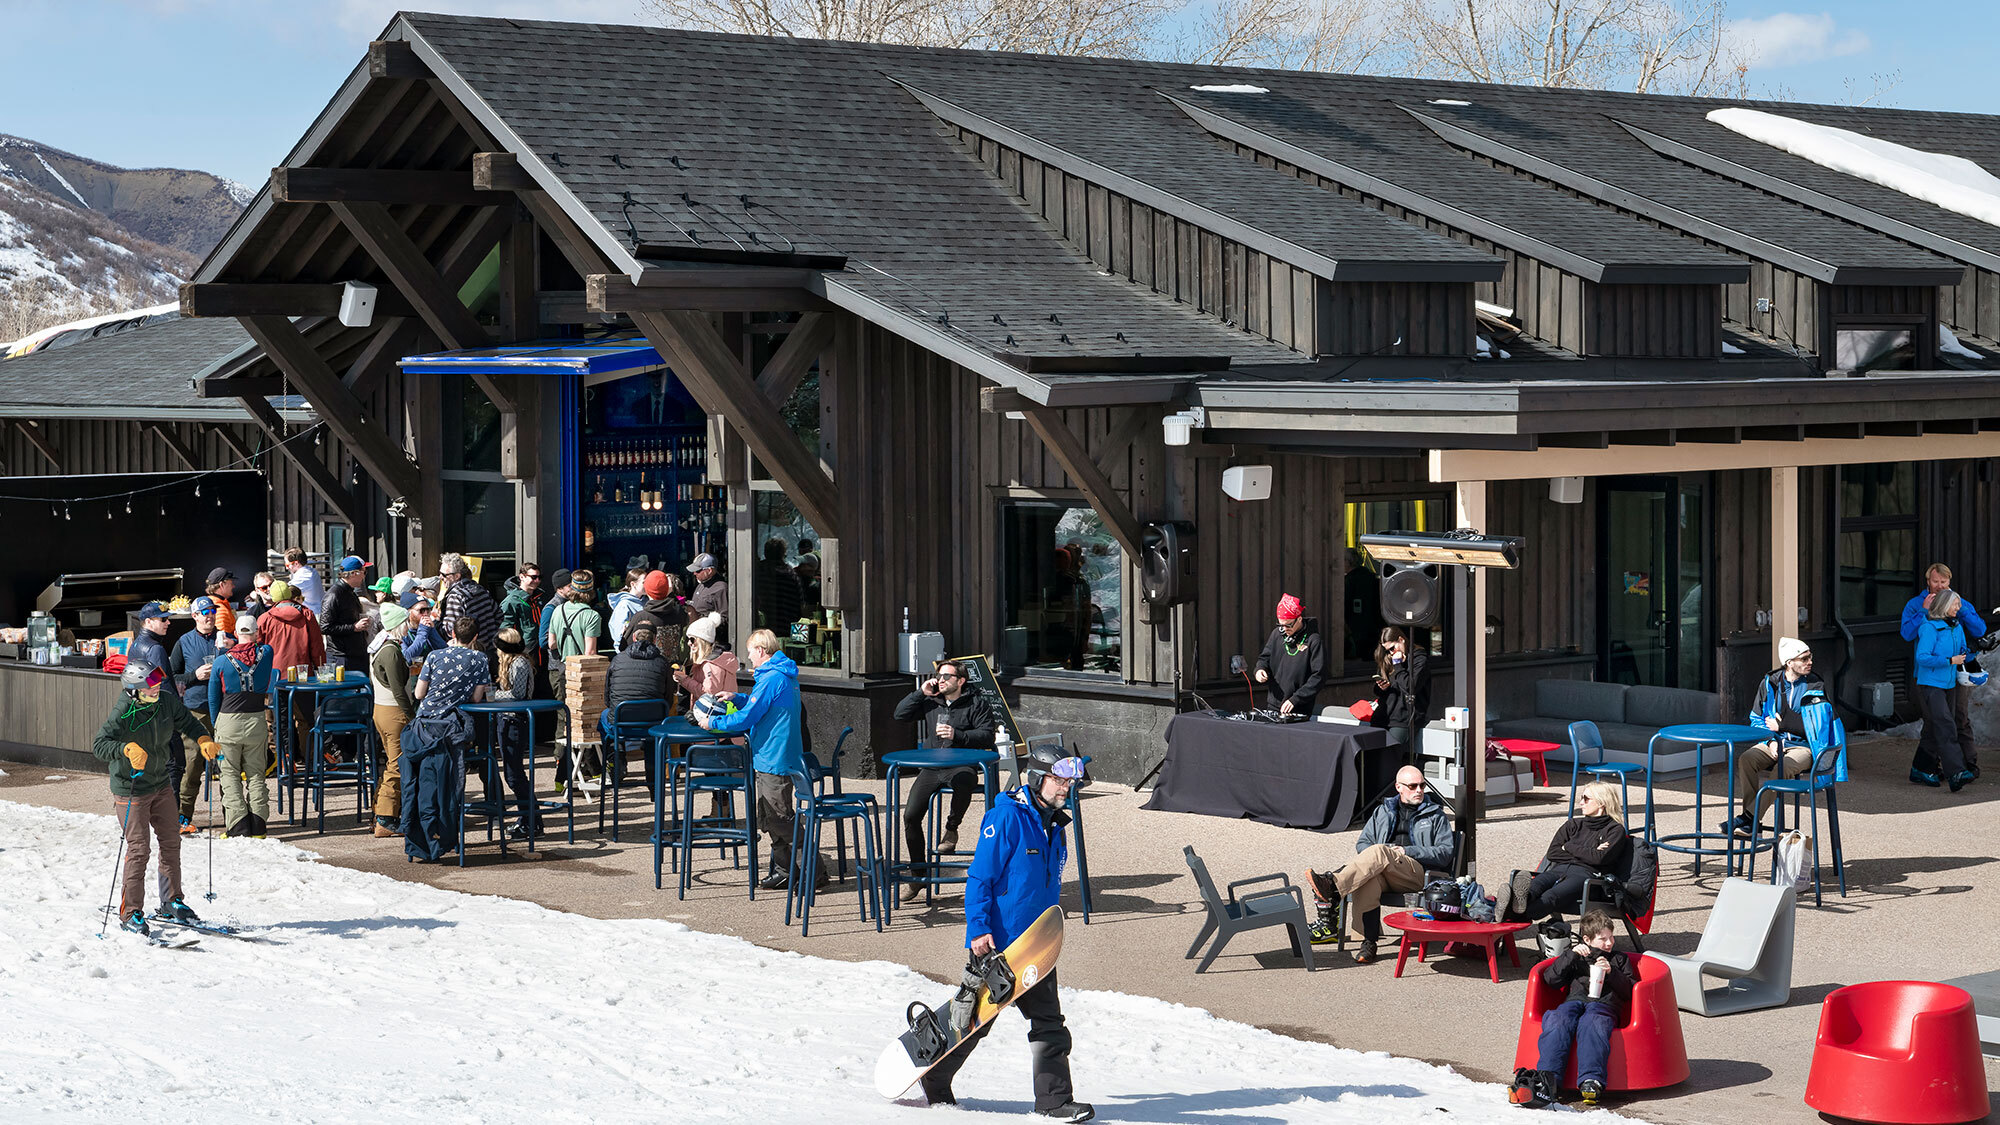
<point>921,314</point>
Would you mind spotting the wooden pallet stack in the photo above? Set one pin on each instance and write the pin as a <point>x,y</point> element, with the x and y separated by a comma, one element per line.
<point>583,689</point>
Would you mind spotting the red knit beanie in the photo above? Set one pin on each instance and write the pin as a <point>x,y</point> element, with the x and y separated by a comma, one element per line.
<point>656,585</point>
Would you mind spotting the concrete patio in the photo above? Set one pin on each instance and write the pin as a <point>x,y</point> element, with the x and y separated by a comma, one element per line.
<point>1923,868</point>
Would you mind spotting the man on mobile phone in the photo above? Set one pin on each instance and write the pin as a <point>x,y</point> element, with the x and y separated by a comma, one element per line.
<point>952,716</point>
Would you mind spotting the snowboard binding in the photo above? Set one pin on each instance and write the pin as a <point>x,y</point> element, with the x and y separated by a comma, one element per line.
<point>929,1036</point>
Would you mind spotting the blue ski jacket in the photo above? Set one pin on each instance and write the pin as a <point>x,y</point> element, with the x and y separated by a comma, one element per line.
<point>772,718</point>
<point>1914,616</point>
<point>1017,869</point>
<point>1937,643</point>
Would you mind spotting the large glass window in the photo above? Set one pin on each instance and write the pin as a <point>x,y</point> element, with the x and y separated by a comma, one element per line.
<point>1062,589</point>
<point>785,591</point>
<point>1878,539</point>
<point>1362,609</point>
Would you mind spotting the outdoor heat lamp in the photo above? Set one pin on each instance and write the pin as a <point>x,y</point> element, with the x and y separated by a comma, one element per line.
<point>1465,548</point>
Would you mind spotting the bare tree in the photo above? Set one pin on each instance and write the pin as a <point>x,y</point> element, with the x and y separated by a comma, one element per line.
<point>1056,27</point>
<point>1324,35</point>
<point>1647,45</point>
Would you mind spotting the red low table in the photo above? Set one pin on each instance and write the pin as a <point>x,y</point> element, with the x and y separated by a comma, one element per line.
<point>1530,749</point>
<point>1487,935</point>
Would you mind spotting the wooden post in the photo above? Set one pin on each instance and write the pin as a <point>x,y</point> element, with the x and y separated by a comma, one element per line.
<point>1784,556</point>
<point>1469,510</point>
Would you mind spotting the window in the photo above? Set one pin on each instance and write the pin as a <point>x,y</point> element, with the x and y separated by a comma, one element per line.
<point>1362,611</point>
<point>1062,590</point>
<point>1875,349</point>
<point>1878,539</point>
<point>785,583</point>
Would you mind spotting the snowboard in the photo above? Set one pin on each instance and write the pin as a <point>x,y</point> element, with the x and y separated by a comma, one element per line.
<point>1028,960</point>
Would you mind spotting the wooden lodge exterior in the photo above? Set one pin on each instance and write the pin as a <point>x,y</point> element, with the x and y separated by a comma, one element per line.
<point>934,306</point>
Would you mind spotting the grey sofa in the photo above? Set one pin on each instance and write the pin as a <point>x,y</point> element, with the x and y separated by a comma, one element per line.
<point>1627,716</point>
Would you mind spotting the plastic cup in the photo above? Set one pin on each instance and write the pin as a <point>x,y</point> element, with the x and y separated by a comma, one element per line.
<point>1597,971</point>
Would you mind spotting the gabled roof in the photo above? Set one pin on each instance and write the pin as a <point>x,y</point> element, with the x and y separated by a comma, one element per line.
<point>144,373</point>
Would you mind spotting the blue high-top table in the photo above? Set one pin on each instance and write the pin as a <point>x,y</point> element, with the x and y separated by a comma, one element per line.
<point>1734,739</point>
<point>944,758</point>
<point>496,776</point>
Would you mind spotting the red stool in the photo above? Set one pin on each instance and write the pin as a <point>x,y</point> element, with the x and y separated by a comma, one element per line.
<point>1528,748</point>
<point>1903,1051</point>
<point>1647,1050</point>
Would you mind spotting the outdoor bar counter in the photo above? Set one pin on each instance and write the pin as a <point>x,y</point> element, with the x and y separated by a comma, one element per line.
<point>49,715</point>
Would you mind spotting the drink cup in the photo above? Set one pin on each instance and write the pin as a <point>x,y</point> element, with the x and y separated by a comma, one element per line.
<point>1597,971</point>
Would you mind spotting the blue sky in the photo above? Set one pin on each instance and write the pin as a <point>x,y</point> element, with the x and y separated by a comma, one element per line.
<point>228,85</point>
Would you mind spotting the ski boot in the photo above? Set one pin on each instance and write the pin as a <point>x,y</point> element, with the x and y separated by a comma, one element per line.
<point>135,922</point>
<point>1592,1091</point>
<point>1069,1111</point>
<point>187,826</point>
<point>179,911</point>
<point>1323,931</point>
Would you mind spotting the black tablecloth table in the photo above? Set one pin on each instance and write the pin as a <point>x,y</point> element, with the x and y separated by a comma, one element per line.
<point>1298,775</point>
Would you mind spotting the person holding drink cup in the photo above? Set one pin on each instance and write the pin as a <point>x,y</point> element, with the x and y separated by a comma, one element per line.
<point>952,715</point>
<point>1598,981</point>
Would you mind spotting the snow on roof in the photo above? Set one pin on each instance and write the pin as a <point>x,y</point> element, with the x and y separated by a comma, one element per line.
<point>1449,101</point>
<point>1951,182</point>
<point>1237,88</point>
<point>1948,344</point>
<point>33,340</point>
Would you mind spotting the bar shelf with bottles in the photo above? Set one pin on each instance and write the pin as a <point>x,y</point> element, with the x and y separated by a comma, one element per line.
<point>646,495</point>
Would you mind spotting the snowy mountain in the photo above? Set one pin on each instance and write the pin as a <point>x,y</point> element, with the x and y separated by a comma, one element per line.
<point>79,237</point>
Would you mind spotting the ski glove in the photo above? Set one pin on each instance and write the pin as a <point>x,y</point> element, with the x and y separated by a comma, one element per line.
<point>135,754</point>
<point>208,747</point>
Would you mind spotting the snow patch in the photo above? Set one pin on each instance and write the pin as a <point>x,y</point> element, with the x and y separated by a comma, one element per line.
<point>242,193</point>
<point>1491,309</point>
<point>59,179</point>
<point>1951,182</point>
<point>1448,101</point>
<point>403,982</point>
<point>112,246</point>
<point>1730,349</point>
<point>1488,351</point>
<point>1949,345</point>
<point>1236,88</point>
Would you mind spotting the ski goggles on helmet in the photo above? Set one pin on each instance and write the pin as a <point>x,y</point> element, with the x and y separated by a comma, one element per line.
<point>148,680</point>
<point>1070,769</point>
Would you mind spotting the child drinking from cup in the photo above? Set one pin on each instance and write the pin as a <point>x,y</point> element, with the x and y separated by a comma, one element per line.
<point>1598,981</point>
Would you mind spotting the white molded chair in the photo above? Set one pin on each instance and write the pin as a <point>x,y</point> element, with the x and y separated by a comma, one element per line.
<point>1747,944</point>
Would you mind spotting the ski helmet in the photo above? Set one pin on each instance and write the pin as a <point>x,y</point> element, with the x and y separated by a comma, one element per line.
<point>711,707</point>
<point>1048,757</point>
<point>139,675</point>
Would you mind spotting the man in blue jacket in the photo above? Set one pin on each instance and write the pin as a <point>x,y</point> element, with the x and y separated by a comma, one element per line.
<point>771,716</point>
<point>1777,708</point>
<point>1016,875</point>
<point>1925,767</point>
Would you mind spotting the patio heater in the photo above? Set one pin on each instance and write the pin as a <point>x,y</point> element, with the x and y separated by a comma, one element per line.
<point>1463,551</point>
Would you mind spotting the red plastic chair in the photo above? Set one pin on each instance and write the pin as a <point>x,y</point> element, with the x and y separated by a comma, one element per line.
<point>1647,1051</point>
<point>1904,1051</point>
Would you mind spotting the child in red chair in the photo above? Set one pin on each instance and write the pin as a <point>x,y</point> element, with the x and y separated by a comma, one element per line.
<point>1598,982</point>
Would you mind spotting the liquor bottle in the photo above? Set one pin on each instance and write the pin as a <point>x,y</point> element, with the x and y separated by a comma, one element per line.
<point>617,491</point>
<point>597,490</point>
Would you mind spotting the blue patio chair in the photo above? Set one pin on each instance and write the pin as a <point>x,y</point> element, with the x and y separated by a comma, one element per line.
<point>821,775</point>
<point>345,715</point>
<point>1827,737</point>
<point>812,811</point>
<point>715,767</point>
<point>629,722</point>
<point>1584,739</point>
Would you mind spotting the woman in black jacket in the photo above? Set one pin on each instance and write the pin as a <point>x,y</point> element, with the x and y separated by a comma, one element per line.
<point>1402,687</point>
<point>637,673</point>
<point>1586,845</point>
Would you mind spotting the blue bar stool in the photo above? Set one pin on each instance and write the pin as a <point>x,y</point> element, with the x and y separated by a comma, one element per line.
<point>675,730</point>
<point>831,772</point>
<point>343,715</point>
<point>1829,770</point>
<point>630,721</point>
<point>1585,739</point>
<point>716,767</point>
<point>811,812</point>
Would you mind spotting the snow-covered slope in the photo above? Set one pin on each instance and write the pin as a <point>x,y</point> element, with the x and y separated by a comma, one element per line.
<point>178,208</point>
<point>392,1002</point>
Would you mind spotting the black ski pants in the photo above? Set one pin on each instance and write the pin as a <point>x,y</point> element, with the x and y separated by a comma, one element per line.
<point>1556,890</point>
<point>1941,748</point>
<point>1048,1047</point>
<point>962,782</point>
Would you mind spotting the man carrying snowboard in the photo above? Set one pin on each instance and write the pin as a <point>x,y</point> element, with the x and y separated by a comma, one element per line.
<point>134,741</point>
<point>1016,875</point>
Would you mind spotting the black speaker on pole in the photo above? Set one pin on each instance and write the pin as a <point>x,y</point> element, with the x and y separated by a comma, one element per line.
<point>1411,595</point>
<point>1166,573</point>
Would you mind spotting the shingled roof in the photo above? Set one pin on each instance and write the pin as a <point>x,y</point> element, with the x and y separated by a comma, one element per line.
<point>144,373</point>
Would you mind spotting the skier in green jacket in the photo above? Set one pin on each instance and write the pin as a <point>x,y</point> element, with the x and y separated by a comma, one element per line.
<point>134,743</point>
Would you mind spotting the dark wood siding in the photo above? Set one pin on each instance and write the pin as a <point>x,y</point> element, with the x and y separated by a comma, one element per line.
<point>1369,318</point>
<point>1973,305</point>
<point>1677,321</point>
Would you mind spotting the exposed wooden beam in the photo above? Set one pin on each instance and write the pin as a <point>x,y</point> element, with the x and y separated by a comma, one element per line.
<point>1004,400</point>
<point>228,437</point>
<point>393,58</point>
<point>227,298</point>
<point>616,293</point>
<point>380,456</point>
<point>339,499</point>
<point>392,340</point>
<point>469,249</point>
<point>380,185</point>
<point>1075,460</point>
<point>32,430</point>
<point>174,444</point>
<point>1119,441</point>
<point>239,386</point>
<point>710,370</point>
<point>411,273</point>
<point>796,356</point>
<point>501,171</point>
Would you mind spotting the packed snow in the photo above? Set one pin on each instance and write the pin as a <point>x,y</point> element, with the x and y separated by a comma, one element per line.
<point>1730,349</point>
<point>1237,88</point>
<point>1951,182</point>
<point>1949,345</point>
<point>393,1001</point>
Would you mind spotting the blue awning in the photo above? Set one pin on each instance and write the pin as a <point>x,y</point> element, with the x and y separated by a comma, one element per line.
<point>621,355</point>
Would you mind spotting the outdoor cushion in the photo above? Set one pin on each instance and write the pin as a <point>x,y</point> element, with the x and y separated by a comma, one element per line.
<point>1579,699</point>
<point>1658,707</point>
<point>1629,737</point>
<point>1535,727</point>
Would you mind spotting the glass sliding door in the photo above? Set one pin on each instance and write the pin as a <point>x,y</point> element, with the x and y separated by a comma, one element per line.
<point>1652,603</point>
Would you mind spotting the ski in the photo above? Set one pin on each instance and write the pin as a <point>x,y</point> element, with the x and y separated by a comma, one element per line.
<point>158,941</point>
<point>216,928</point>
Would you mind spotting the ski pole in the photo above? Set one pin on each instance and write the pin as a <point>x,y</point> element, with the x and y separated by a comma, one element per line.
<point>104,920</point>
<point>210,896</point>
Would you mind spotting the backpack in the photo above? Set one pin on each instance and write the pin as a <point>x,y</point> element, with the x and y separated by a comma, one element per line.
<point>1478,905</point>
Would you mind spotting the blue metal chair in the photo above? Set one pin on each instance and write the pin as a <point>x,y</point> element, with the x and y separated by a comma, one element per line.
<point>1585,739</point>
<point>831,772</point>
<point>716,767</point>
<point>629,722</point>
<point>342,715</point>
<point>811,811</point>
<point>1829,769</point>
